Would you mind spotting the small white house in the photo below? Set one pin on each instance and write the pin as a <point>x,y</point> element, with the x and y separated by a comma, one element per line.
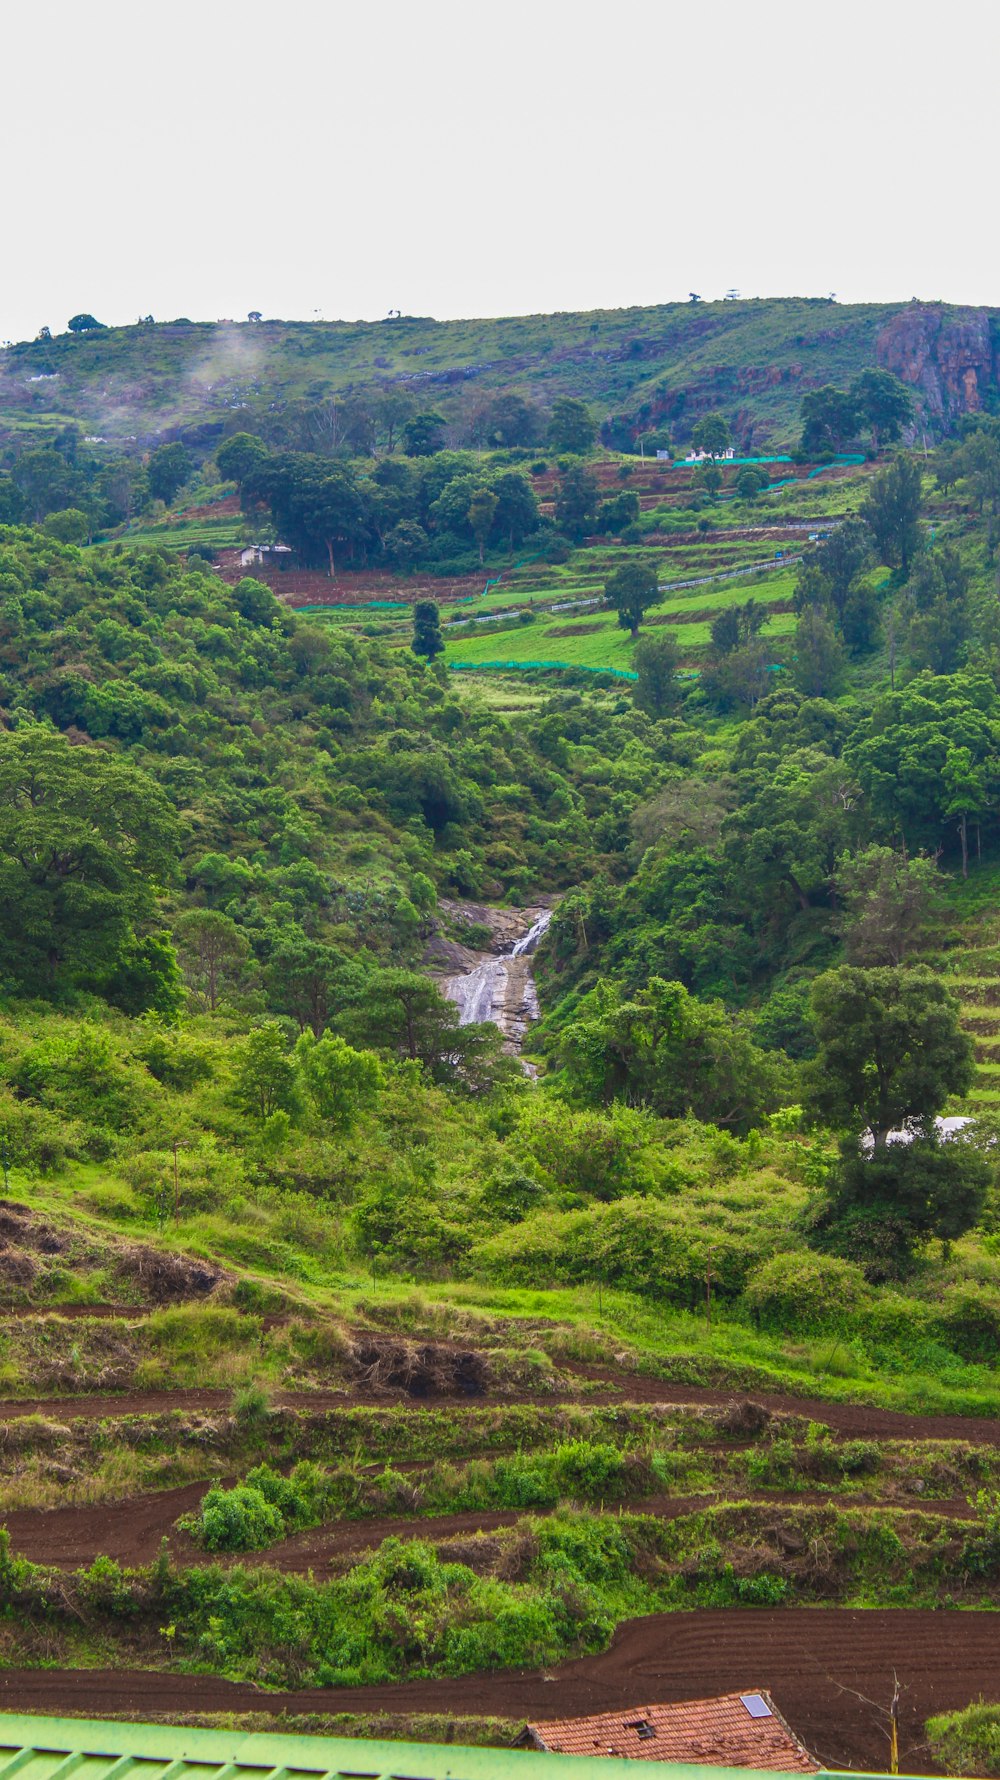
<point>261,553</point>
<point>706,457</point>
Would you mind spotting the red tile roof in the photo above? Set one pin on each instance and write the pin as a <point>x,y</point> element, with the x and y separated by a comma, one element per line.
<point>733,1731</point>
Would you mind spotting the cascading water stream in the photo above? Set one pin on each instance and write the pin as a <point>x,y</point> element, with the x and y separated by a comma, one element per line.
<point>493,991</point>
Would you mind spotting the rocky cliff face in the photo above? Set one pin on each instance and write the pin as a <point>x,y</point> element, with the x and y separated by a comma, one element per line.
<point>946,356</point>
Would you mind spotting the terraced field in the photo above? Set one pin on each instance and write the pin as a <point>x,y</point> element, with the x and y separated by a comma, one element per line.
<point>526,611</point>
<point>696,1538</point>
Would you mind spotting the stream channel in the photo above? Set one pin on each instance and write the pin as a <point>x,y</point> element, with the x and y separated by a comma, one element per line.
<point>501,987</point>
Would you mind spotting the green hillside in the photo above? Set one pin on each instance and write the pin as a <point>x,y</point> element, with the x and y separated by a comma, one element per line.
<point>754,360</point>
<point>350,1344</point>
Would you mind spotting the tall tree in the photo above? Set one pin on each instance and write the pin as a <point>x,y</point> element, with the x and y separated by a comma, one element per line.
<point>214,953</point>
<point>576,502</point>
<point>572,427</point>
<point>938,618</point>
<point>657,658</point>
<point>885,902</point>
<point>892,511</point>
<point>508,420</point>
<point>168,469</point>
<point>427,638</point>
<point>632,589</point>
<point>711,433</point>
<point>829,419</point>
<point>85,838</point>
<point>819,664</point>
<point>891,1049</point>
<point>884,403</point>
<point>238,456</point>
<point>424,434</point>
<point>482,512</point>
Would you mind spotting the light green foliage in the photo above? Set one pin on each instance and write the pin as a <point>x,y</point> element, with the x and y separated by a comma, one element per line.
<point>967,1742</point>
<point>265,1074</point>
<point>663,1049</point>
<point>806,1292</point>
<point>341,1083</point>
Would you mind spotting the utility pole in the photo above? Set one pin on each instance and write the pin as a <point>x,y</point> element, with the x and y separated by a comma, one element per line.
<point>894,1724</point>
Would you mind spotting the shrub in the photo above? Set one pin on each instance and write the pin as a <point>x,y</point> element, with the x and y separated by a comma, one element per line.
<point>240,1519</point>
<point>805,1292</point>
<point>585,1469</point>
<point>970,1322</point>
<point>967,1742</point>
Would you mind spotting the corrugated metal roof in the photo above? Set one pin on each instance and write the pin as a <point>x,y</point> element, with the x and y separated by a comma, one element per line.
<point>35,1748</point>
<point>743,1730</point>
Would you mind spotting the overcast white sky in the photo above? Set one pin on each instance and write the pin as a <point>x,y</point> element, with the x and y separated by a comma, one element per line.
<point>450,158</point>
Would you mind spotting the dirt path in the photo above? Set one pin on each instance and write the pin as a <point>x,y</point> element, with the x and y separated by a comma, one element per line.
<point>816,1662</point>
<point>854,1420</point>
<point>132,1530</point>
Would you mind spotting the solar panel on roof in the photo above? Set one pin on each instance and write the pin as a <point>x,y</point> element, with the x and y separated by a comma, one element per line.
<point>756,1706</point>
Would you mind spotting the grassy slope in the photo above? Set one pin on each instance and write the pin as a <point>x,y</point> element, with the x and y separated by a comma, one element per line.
<point>143,381</point>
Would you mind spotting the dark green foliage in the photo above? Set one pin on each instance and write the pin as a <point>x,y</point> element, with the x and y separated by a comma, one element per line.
<point>632,589</point>
<point>84,839</point>
<point>882,1206</point>
<point>662,1049</point>
<point>884,404</point>
<point>833,579</point>
<point>820,666</point>
<point>427,638</point>
<point>168,469</point>
<point>892,509</point>
<point>657,659</point>
<point>937,612</point>
<point>711,433</point>
<point>829,420</point>
<point>571,425</point>
<point>577,502</point>
<point>891,1049</point>
<point>423,434</point>
<point>239,456</point>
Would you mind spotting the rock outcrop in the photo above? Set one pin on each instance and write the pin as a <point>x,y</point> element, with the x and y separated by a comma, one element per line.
<point>947,356</point>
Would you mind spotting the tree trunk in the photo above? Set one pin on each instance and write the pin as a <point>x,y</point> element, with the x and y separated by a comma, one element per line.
<point>963,829</point>
<point>329,552</point>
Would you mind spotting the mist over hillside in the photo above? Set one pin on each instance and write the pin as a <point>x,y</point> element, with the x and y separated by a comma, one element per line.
<point>638,368</point>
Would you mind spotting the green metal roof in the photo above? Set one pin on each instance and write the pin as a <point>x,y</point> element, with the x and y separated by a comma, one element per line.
<point>86,1749</point>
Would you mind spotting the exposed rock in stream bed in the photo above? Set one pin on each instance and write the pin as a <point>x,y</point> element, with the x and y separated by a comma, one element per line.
<point>496,984</point>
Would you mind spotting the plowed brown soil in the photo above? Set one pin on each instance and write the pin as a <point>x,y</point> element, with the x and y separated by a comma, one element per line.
<point>830,1670</point>
<point>132,1530</point>
<point>853,1420</point>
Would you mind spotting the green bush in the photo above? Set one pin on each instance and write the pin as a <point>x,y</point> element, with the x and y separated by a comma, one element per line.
<point>806,1292</point>
<point>240,1519</point>
<point>586,1470</point>
<point>970,1322</point>
<point>967,1742</point>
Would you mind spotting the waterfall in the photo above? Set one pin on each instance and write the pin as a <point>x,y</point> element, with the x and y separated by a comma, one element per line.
<point>533,935</point>
<point>494,991</point>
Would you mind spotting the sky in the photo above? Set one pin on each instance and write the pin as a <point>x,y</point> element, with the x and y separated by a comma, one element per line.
<point>452,159</point>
